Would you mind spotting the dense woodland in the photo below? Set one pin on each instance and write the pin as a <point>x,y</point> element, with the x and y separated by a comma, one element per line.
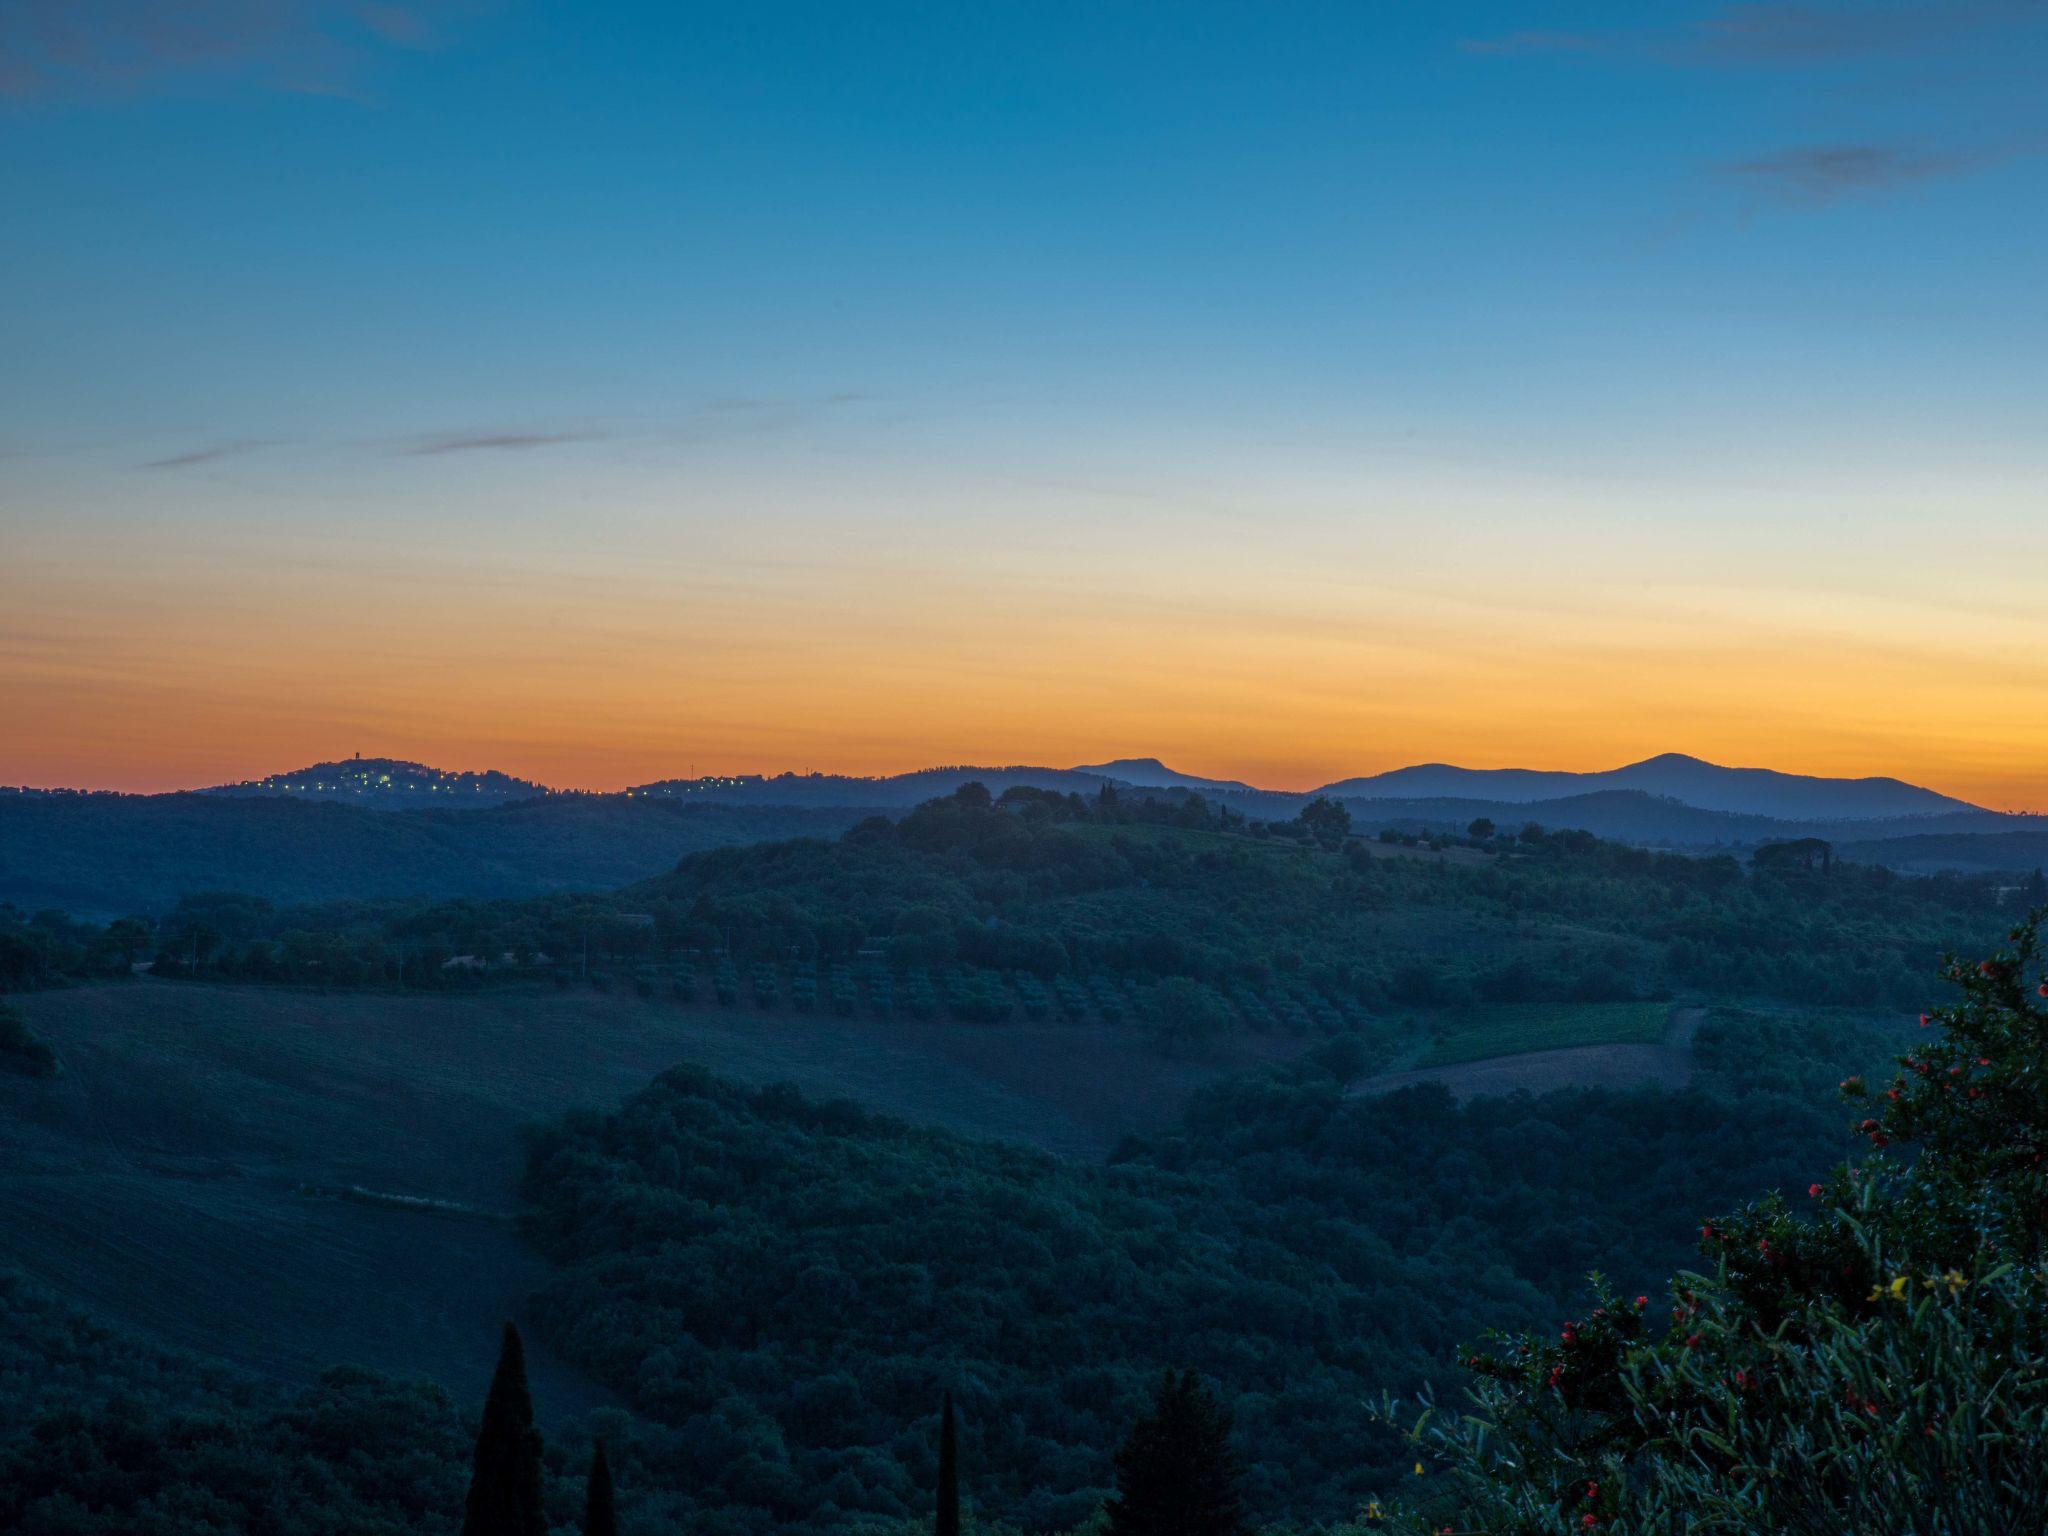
<point>1041,904</point>
<point>796,1282</point>
<point>781,1290</point>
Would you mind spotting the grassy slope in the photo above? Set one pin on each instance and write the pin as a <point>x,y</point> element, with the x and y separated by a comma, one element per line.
<point>1510,1029</point>
<point>174,1177</point>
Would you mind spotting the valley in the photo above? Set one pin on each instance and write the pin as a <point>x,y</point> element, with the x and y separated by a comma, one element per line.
<point>187,1174</point>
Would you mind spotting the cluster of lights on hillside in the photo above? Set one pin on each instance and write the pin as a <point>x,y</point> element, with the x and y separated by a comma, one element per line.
<point>673,788</point>
<point>374,779</point>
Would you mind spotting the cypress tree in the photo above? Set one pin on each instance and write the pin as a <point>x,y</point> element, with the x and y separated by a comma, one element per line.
<point>1176,1474</point>
<point>504,1480</point>
<point>949,1474</point>
<point>599,1518</point>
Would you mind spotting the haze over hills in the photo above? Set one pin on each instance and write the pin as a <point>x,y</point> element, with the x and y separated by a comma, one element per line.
<point>1150,773</point>
<point>366,827</point>
<point>1674,776</point>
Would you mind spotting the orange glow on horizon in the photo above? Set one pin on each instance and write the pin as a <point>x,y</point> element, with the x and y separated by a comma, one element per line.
<point>190,664</point>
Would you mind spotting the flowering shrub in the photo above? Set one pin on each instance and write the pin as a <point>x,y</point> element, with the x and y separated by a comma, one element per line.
<point>1875,1360</point>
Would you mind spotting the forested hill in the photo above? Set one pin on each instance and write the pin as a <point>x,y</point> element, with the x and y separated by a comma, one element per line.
<point>389,784</point>
<point>1059,885</point>
<point>781,1287</point>
<point>378,828</point>
<point>111,855</point>
<point>1049,903</point>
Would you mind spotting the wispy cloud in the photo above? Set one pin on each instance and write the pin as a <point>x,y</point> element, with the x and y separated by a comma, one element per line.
<point>718,418</point>
<point>1783,33</point>
<point>65,48</point>
<point>206,455</point>
<point>1826,173</point>
<point>490,442</point>
<point>1787,33</point>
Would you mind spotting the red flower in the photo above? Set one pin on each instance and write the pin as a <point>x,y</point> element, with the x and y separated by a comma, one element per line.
<point>1642,1302</point>
<point>1813,1191</point>
<point>1589,1521</point>
<point>1925,1020</point>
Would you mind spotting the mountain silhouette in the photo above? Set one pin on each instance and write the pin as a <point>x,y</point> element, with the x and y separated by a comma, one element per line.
<point>1706,786</point>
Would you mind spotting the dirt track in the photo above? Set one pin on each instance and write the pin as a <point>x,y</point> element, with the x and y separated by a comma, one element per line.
<point>1668,1064</point>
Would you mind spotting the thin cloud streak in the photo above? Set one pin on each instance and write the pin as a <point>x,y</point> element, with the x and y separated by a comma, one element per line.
<point>492,442</point>
<point>195,456</point>
<point>1820,174</point>
<point>54,49</point>
<point>1779,33</point>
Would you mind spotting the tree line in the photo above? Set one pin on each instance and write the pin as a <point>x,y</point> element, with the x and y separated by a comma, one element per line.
<point>1147,890</point>
<point>1177,1473</point>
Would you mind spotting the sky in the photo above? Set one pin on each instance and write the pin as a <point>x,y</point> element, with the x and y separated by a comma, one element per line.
<point>608,392</point>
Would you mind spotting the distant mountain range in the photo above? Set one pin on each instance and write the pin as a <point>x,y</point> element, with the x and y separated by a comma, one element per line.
<point>1673,776</point>
<point>1688,781</point>
<point>1150,773</point>
<point>404,828</point>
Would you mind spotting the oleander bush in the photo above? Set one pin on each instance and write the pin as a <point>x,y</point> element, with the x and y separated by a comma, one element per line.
<point>1873,1358</point>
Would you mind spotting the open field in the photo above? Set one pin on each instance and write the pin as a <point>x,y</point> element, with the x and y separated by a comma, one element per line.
<point>198,1171</point>
<point>1664,1061</point>
<point>1511,1029</point>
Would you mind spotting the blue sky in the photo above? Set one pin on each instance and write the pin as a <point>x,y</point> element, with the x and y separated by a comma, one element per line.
<point>1293,316</point>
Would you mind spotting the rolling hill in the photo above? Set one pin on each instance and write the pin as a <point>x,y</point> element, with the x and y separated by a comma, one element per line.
<point>1674,776</point>
<point>364,828</point>
<point>389,784</point>
<point>107,855</point>
<point>1150,773</point>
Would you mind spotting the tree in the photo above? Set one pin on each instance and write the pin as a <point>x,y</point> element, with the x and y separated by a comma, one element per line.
<point>1326,821</point>
<point>1808,854</point>
<point>504,1481</point>
<point>1481,829</point>
<point>599,1518</point>
<point>1186,1012</point>
<point>949,1474</point>
<point>128,935</point>
<point>1176,1474</point>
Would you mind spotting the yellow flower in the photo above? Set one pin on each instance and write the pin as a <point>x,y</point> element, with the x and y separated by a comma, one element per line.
<point>1956,1282</point>
<point>1899,1288</point>
<point>1418,1469</point>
